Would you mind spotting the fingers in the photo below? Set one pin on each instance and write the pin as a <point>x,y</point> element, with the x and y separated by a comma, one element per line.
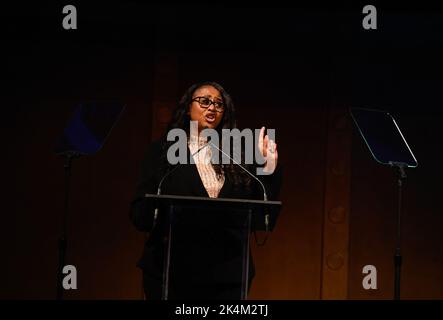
<point>272,156</point>
<point>270,144</point>
<point>260,137</point>
<point>273,149</point>
<point>267,148</point>
<point>266,145</point>
<point>260,141</point>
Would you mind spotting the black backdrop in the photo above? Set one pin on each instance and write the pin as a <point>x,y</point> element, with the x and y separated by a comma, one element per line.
<point>288,64</point>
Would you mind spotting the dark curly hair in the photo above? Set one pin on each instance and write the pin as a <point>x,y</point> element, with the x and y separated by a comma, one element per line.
<point>181,119</point>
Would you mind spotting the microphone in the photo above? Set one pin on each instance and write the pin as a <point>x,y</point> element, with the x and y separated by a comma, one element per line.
<point>265,196</point>
<point>166,175</point>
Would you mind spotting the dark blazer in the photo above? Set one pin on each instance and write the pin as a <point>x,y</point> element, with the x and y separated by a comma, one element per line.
<point>204,250</point>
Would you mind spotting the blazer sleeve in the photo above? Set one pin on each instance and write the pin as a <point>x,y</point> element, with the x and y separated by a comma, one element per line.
<point>141,210</point>
<point>272,183</point>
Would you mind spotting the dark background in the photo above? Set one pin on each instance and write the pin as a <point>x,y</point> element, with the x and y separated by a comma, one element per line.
<point>289,68</point>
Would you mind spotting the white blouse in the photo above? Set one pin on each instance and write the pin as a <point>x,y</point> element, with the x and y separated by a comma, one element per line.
<point>207,173</point>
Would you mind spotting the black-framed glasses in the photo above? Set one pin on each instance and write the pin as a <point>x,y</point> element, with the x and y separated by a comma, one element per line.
<point>206,103</point>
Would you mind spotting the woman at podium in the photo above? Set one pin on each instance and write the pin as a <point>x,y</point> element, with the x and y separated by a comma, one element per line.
<point>206,250</point>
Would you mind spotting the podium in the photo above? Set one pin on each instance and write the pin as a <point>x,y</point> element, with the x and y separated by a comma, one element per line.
<point>247,215</point>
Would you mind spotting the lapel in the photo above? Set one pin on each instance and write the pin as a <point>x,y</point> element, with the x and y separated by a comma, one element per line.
<point>225,189</point>
<point>197,183</point>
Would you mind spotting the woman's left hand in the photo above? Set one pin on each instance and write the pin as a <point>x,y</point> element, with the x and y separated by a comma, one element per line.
<point>268,149</point>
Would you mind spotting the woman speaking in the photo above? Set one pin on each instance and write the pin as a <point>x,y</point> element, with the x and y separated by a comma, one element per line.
<point>206,254</point>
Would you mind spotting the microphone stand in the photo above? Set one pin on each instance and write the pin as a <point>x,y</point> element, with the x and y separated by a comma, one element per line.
<point>397,255</point>
<point>62,242</point>
<point>265,196</point>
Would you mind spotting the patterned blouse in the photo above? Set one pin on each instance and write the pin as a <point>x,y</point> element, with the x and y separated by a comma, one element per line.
<point>202,160</point>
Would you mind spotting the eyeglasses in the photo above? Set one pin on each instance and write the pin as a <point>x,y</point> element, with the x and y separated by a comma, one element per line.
<point>206,103</point>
